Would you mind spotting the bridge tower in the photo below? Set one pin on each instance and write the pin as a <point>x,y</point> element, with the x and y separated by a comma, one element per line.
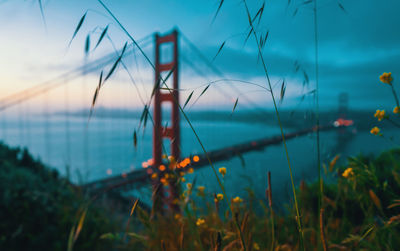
<point>343,106</point>
<point>172,131</point>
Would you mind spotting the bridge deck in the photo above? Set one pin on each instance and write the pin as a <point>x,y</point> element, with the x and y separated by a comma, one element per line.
<point>139,178</point>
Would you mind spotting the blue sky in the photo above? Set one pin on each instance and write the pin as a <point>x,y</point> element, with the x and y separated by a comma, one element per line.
<point>355,47</point>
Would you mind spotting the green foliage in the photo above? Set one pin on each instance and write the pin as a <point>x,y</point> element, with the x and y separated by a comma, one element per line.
<point>38,208</point>
<point>360,213</point>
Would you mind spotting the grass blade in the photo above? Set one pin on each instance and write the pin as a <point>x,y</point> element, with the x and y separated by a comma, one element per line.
<point>87,45</point>
<point>80,225</point>
<point>129,219</point>
<point>234,106</point>
<point>219,50</point>
<point>283,90</point>
<point>219,8</point>
<point>116,63</point>
<point>342,8</point>
<point>42,12</point>
<point>187,100</point>
<point>134,139</point>
<point>205,89</point>
<point>103,34</point>
<point>78,27</point>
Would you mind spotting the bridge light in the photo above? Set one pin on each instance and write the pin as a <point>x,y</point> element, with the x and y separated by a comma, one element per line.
<point>187,161</point>
<point>161,168</point>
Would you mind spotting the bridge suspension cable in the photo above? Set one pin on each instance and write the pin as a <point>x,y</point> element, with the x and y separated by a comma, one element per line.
<point>46,86</point>
<point>216,71</point>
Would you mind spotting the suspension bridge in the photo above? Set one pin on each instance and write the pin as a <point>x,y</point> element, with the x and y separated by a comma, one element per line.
<point>155,170</point>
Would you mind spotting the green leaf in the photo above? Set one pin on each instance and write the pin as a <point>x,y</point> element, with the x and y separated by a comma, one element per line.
<point>78,27</point>
<point>187,100</point>
<point>107,236</point>
<point>103,34</point>
<point>137,236</point>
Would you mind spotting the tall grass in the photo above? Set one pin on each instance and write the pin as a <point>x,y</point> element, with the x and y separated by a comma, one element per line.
<point>253,31</point>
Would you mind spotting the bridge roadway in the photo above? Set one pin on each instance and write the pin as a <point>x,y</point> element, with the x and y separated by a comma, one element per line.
<point>140,177</point>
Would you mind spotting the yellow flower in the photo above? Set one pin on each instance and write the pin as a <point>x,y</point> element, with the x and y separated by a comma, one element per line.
<point>178,216</point>
<point>183,179</point>
<point>237,199</point>
<point>154,176</point>
<point>190,170</point>
<point>219,197</point>
<point>386,78</point>
<point>189,186</point>
<point>375,131</point>
<point>222,170</point>
<point>256,246</point>
<point>348,172</point>
<point>396,110</point>
<point>200,221</point>
<point>380,114</point>
<point>201,189</point>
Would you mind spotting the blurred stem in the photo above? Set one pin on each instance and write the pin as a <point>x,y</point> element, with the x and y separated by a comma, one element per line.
<point>395,95</point>
<point>317,100</point>
<point>272,229</point>
<point>393,122</point>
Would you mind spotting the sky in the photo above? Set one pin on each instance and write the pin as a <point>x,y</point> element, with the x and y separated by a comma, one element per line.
<point>355,45</point>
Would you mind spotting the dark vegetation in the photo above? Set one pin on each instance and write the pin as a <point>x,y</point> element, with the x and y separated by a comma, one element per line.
<point>38,207</point>
<point>39,210</point>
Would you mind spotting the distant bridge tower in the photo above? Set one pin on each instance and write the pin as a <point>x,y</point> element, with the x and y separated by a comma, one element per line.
<point>172,131</point>
<point>343,107</point>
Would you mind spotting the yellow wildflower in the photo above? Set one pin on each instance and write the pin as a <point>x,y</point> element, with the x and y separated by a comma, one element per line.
<point>380,114</point>
<point>200,221</point>
<point>190,170</point>
<point>154,176</point>
<point>348,172</point>
<point>237,199</point>
<point>222,170</point>
<point>375,131</point>
<point>256,246</point>
<point>201,189</point>
<point>189,186</point>
<point>386,78</point>
<point>219,197</point>
<point>164,181</point>
<point>178,216</point>
<point>396,110</point>
<point>183,179</point>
